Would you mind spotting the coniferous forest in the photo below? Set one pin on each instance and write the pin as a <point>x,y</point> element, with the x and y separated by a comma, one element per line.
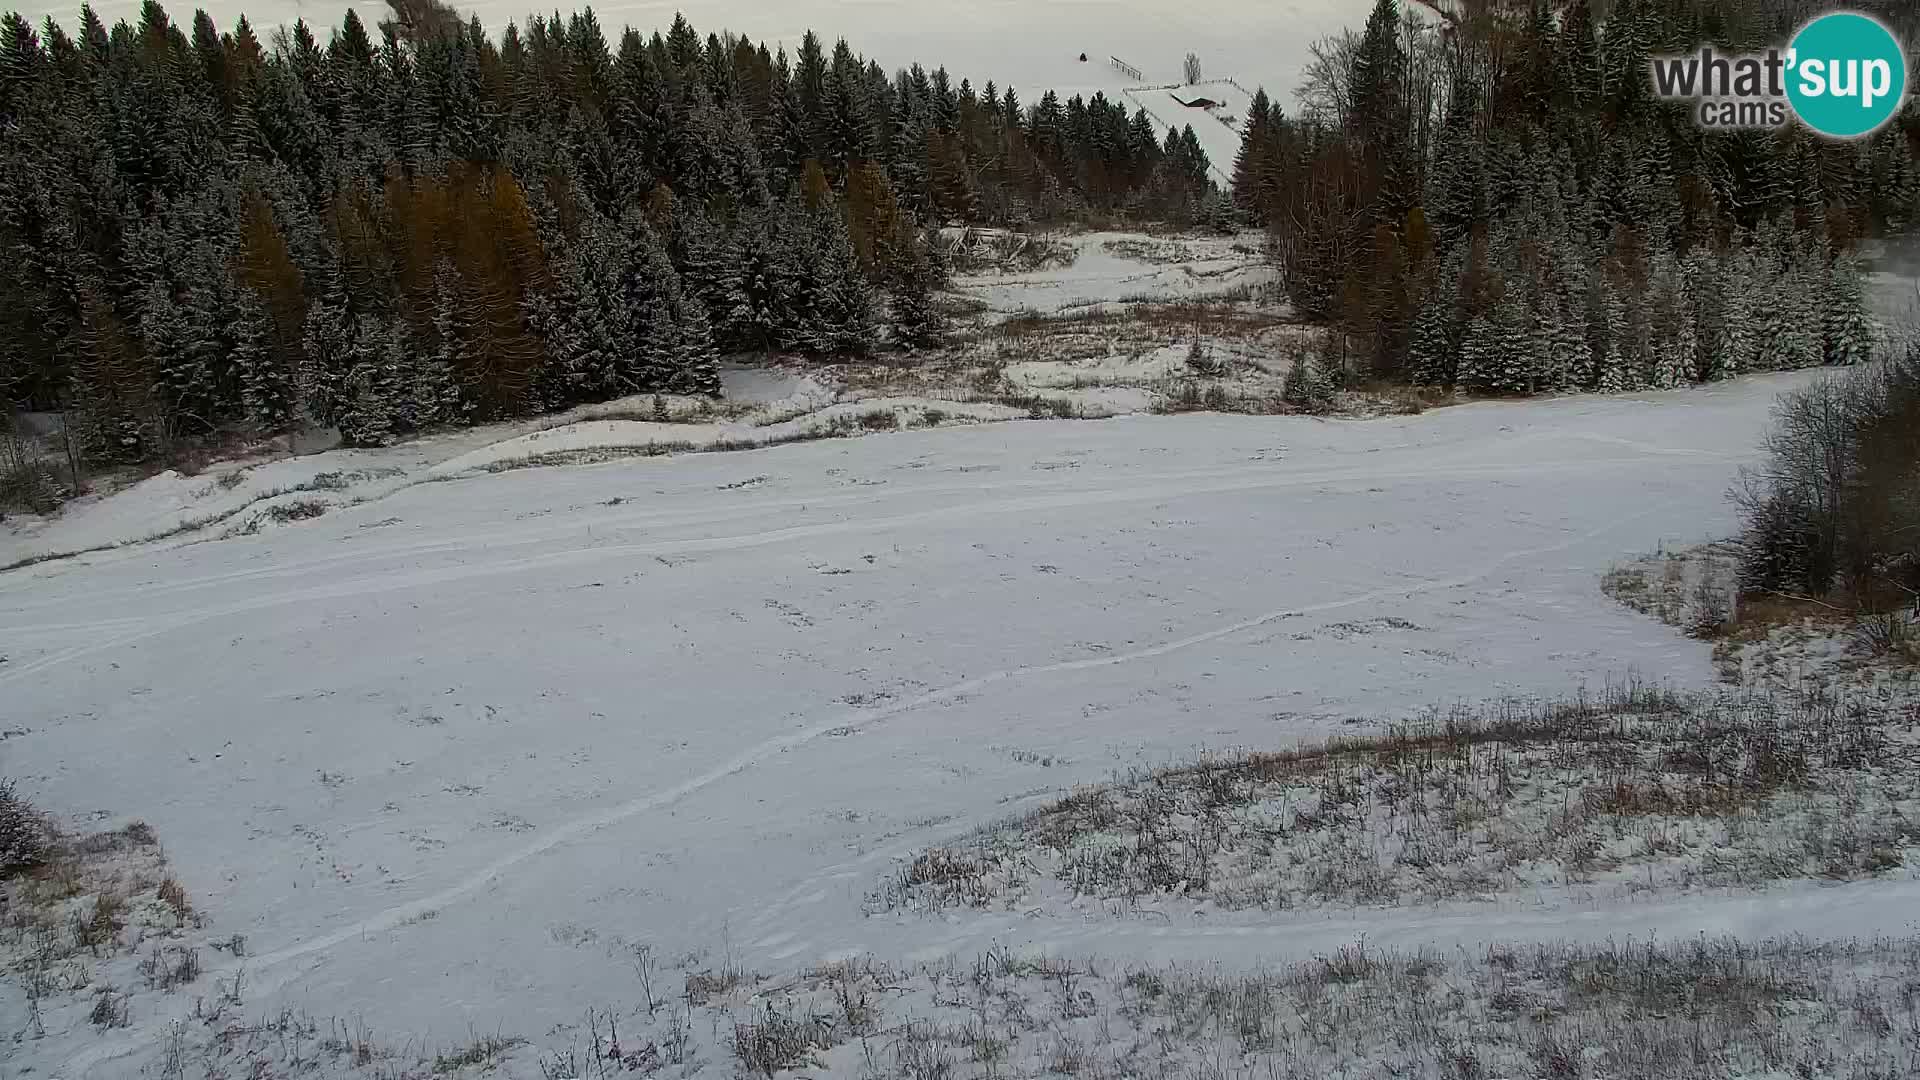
<point>1500,204</point>
<point>432,222</point>
<point>422,223</point>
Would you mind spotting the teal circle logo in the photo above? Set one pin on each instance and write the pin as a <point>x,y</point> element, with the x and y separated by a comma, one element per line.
<point>1846,75</point>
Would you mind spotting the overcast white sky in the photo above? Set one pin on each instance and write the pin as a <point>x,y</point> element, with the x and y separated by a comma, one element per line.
<point>1031,43</point>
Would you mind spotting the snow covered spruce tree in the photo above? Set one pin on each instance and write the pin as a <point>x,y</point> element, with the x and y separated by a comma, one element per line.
<point>1848,330</point>
<point>1433,352</point>
<point>1308,387</point>
<point>26,837</point>
<point>913,314</point>
<point>266,383</point>
<point>840,318</point>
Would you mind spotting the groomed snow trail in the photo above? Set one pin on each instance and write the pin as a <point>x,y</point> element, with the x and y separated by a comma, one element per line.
<point>439,757</point>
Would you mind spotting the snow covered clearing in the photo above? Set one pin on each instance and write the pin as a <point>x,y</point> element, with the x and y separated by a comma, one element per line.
<point>1121,309</point>
<point>448,757</point>
<point>1117,268</point>
<point>241,497</point>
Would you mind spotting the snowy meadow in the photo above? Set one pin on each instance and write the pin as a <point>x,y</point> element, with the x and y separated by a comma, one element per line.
<point>448,761</point>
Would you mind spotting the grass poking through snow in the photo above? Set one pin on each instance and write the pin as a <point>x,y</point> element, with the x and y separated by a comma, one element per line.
<point>1639,789</point>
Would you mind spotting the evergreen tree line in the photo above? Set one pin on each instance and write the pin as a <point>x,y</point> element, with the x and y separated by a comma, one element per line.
<point>1495,200</point>
<point>421,224</point>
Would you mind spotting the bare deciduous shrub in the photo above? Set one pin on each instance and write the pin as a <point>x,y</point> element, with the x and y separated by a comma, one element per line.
<point>858,1014</point>
<point>1350,963</point>
<point>703,986</point>
<point>133,834</point>
<point>297,510</point>
<point>35,486</point>
<point>1888,633</point>
<point>1202,361</point>
<point>1185,397</point>
<point>32,476</point>
<point>1834,511</point>
<point>919,1054</point>
<point>976,250</point>
<point>1041,407</point>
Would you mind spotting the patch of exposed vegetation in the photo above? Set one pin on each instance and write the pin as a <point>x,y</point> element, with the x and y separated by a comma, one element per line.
<point>1833,516</point>
<point>88,914</point>
<point>1691,1009</point>
<point>1765,637</point>
<point>1636,790</point>
<point>983,250</point>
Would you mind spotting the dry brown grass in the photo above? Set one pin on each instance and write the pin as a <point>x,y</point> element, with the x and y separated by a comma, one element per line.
<point>174,895</point>
<point>73,925</point>
<point>99,928</point>
<point>706,986</point>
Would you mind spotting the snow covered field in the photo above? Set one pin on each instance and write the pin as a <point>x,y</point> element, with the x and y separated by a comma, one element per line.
<point>446,756</point>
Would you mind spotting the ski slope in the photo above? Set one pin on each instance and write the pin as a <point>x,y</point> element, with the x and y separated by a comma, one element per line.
<point>438,756</point>
<point>1218,127</point>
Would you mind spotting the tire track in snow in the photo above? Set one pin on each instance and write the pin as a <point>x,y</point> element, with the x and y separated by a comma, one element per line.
<point>393,917</point>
